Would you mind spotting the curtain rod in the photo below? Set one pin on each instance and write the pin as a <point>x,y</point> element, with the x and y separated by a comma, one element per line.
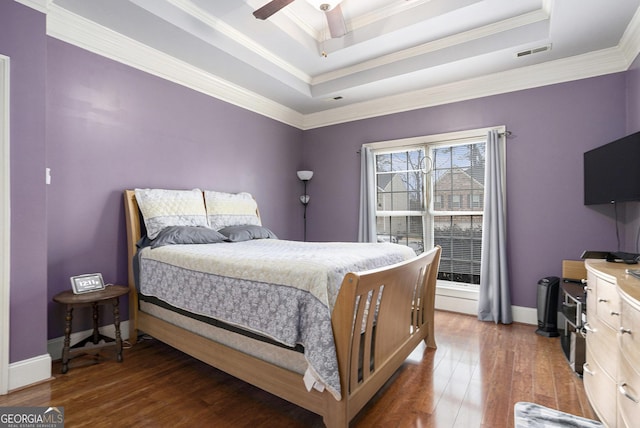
<point>505,134</point>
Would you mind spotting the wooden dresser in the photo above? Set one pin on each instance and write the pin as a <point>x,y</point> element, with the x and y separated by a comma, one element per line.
<point>612,369</point>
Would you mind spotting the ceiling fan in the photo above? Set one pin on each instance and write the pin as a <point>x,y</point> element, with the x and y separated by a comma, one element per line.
<point>331,8</point>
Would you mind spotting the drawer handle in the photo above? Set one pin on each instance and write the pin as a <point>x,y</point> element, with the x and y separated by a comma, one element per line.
<point>589,328</point>
<point>623,390</point>
<point>615,314</point>
<point>625,330</point>
<point>602,300</point>
<point>586,369</point>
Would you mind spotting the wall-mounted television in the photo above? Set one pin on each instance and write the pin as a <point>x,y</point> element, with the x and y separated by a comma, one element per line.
<point>612,172</point>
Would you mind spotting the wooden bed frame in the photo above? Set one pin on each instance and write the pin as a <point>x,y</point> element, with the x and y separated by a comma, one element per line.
<point>405,317</point>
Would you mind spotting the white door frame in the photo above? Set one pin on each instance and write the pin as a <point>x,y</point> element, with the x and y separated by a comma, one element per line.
<point>5,224</point>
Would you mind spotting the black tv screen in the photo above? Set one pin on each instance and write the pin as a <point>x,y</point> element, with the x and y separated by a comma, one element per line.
<point>612,172</point>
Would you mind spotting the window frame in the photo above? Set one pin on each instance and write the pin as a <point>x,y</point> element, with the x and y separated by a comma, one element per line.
<point>428,142</point>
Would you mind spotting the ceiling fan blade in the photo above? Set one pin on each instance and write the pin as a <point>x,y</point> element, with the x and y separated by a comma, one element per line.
<point>335,19</point>
<point>270,8</point>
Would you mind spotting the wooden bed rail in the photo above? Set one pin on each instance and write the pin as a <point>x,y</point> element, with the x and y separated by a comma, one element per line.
<point>377,343</point>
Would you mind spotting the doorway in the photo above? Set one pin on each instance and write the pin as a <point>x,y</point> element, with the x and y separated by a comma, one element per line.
<point>5,225</point>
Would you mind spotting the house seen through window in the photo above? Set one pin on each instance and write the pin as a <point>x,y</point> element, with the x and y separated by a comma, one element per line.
<point>432,194</point>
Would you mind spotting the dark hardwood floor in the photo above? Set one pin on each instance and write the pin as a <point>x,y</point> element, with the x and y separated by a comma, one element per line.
<point>479,371</point>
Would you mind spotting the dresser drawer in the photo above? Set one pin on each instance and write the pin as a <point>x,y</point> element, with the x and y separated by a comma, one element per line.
<point>630,333</point>
<point>602,344</point>
<point>628,393</point>
<point>607,303</point>
<point>601,390</point>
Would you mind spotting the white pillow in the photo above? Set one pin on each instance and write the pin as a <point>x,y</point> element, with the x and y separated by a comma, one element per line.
<point>231,209</point>
<point>163,208</point>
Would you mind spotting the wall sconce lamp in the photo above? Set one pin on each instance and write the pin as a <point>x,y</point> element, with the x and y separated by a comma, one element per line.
<point>305,176</point>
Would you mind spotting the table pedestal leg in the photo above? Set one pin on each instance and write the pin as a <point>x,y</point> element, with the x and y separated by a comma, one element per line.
<point>96,332</point>
<point>67,339</point>
<point>116,323</point>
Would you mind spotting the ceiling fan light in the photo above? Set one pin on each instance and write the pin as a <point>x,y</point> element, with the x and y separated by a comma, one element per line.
<point>318,4</point>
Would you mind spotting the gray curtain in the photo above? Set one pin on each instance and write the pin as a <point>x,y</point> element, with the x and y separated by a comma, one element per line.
<point>367,221</point>
<point>494,302</point>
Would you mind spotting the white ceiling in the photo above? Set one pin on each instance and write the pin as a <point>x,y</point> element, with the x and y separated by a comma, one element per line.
<point>397,54</point>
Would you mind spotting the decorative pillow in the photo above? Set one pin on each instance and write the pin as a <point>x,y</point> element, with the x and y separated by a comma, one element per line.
<point>163,208</point>
<point>187,235</point>
<point>231,209</point>
<point>247,232</point>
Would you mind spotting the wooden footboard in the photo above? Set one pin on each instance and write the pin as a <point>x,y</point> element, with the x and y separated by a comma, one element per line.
<point>373,347</point>
<point>369,350</point>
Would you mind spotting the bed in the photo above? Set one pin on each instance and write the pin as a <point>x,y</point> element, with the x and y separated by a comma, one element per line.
<point>359,313</point>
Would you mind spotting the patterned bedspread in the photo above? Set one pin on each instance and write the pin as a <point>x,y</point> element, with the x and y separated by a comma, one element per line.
<point>281,289</point>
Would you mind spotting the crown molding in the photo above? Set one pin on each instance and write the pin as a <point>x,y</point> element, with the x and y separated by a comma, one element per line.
<point>78,31</point>
<point>630,41</point>
<point>593,64</point>
<point>88,35</point>
<point>443,43</point>
<point>231,33</point>
<point>382,13</point>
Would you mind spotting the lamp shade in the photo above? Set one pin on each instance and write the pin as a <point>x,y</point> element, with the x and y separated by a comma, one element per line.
<point>305,175</point>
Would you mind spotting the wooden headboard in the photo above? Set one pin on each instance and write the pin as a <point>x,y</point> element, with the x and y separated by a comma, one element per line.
<point>134,233</point>
<point>134,228</point>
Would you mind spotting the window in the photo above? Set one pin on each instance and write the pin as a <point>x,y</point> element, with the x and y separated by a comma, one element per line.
<point>400,197</point>
<point>437,202</point>
<point>475,201</point>
<point>430,191</point>
<point>458,171</point>
<point>455,202</point>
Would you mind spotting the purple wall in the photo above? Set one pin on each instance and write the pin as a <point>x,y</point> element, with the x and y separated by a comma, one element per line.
<point>552,127</point>
<point>633,97</point>
<point>22,38</point>
<point>111,127</point>
<point>632,212</point>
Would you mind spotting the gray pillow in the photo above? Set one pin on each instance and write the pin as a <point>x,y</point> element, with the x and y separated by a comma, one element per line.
<point>247,232</point>
<point>187,235</point>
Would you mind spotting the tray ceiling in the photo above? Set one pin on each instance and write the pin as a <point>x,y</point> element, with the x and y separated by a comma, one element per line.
<point>396,55</point>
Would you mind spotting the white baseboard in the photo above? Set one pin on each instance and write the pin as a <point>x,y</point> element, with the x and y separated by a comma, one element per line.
<point>456,304</point>
<point>27,372</point>
<point>38,369</point>
<point>520,314</point>
<point>54,346</point>
<point>525,315</point>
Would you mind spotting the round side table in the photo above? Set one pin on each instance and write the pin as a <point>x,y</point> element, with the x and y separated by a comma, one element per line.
<point>111,294</point>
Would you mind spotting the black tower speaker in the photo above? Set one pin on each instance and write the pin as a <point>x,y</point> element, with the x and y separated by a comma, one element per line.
<point>548,306</point>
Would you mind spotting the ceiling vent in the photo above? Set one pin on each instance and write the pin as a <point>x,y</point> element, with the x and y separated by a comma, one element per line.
<point>533,51</point>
